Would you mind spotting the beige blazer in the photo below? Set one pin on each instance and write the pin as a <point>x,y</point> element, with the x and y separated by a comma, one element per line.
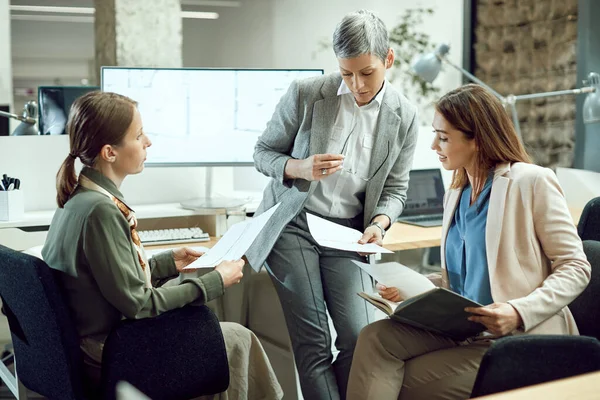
<point>535,257</point>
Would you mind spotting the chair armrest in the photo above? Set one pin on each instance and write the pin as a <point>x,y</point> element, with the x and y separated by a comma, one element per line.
<point>518,361</point>
<point>177,355</point>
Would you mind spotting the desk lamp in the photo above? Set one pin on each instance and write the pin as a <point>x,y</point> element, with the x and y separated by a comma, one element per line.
<point>429,65</point>
<point>28,120</point>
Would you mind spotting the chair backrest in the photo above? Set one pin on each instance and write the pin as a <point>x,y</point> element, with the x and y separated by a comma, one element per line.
<point>589,222</point>
<point>46,346</point>
<point>586,307</point>
<point>187,358</point>
<point>518,361</point>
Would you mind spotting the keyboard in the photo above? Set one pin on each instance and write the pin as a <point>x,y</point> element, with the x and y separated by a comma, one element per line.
<point>172,236</point>
<point>423,220</point>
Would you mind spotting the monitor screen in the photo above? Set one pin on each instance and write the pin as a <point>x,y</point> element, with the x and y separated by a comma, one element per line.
<point>202,116</point>
<point>54,104</point>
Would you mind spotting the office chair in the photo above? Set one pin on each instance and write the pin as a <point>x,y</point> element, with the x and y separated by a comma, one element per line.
<point>518,361</point>
<point>176,355</point>
<point>589,222</point>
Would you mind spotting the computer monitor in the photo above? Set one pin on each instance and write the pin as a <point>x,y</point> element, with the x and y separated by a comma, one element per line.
<point>54,104</point>
<point>425,192</point>
<point>200,116</point>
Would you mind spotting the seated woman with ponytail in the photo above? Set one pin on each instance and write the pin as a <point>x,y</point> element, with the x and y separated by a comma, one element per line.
<point>93,240</point>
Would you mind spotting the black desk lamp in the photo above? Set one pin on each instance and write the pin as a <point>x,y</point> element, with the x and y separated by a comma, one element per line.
<point>28,120</point>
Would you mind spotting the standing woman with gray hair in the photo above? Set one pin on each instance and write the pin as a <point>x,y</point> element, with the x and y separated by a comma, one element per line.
<point>339,146</point>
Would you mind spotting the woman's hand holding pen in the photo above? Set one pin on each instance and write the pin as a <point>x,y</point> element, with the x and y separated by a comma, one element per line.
<point>315,167</point>
<point>500,318</point>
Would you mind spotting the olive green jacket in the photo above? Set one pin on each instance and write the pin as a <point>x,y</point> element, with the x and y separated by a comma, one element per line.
<point>90,240</point>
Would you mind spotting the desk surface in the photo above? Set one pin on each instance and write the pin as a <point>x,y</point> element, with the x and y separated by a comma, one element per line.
<point>400,237</point>
<point>166,210</point>
<point>582,387</point>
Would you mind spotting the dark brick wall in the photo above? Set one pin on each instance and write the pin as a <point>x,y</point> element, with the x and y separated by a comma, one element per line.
<point>529,46</point>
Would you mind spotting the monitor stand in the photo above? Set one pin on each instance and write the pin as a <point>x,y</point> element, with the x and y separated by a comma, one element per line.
<point>210,202</point>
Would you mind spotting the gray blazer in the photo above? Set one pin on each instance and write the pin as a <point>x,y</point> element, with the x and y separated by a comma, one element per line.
<point>301,126</point>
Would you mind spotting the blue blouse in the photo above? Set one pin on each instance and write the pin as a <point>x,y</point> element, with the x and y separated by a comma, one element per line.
<point>466,256</point>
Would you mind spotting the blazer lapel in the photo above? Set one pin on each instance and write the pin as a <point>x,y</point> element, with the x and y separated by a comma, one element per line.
<point>386,129</point>
<point>323,119</point>
<point>496,215</point>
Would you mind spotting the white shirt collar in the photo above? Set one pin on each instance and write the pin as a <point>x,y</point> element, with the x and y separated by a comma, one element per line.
<point>344,89</point>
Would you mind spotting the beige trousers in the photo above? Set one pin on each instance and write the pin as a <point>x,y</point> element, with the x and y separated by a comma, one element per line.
<point>251,374</point>
<point>396,361</point>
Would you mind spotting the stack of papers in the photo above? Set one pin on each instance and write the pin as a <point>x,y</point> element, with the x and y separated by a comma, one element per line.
<point>236,241</point>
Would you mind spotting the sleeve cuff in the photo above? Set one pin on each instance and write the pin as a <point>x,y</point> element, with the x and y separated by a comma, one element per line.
<point>280,170</point>
<point>526,323</point>
<point>211,285</point>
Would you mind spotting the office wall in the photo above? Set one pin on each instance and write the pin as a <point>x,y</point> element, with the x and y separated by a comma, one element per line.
<point>36,160</point>
<point>50,53</point>
<point>242,37</point>
<point>6,88</point>
<point>295,42</point>
<point>259,34</point>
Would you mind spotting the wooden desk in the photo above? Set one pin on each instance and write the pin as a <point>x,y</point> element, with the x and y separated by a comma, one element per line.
<point>405,237</point>
<point>582,387</point>
<point>32,229</point>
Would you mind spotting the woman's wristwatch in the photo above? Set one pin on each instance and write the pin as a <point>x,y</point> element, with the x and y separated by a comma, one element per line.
<point>378,224</point>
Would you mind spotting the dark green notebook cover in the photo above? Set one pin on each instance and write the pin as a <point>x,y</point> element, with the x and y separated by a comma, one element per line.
<point>441,311</point>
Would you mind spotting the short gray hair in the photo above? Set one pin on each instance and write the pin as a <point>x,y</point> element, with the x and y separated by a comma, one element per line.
<point>361,32</point>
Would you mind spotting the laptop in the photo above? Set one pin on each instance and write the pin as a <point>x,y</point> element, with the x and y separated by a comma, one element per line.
<point>424,199</point>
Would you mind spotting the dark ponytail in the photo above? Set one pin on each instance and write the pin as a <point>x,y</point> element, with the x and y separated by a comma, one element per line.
<point>66,180</point>
<point>95,120</point>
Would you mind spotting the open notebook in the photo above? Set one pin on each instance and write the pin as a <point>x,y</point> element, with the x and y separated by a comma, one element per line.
<point>425,306</point>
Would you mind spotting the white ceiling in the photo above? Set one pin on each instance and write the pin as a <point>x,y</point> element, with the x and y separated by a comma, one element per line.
<point>90,3</point>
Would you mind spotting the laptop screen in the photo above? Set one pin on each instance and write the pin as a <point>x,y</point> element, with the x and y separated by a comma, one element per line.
<point>425,193</point>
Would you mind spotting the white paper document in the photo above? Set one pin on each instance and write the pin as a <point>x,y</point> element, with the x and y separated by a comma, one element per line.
<point>152,252</point>
<point>236,241</point>
<point>335,236</point>
<point>392,274</point>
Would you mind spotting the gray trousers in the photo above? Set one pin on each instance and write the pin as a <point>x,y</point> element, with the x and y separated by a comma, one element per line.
<point>311,280</point>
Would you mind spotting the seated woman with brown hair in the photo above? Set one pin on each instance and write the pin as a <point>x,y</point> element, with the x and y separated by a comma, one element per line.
<point>93,239</point>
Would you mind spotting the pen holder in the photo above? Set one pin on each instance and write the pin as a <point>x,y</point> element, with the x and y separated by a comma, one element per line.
<point>12,206</point>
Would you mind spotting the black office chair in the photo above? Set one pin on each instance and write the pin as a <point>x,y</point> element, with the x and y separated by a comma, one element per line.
<point>589,222</point>
<point>177,355</point>
<point>586,307</point>
<point>518,361</point>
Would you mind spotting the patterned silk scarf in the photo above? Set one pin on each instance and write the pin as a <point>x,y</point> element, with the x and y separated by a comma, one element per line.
<point>129,215</point>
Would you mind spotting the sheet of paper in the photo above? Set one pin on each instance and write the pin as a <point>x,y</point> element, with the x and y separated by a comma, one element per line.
<point>392,274</point>
<point>153,252</point>
<point>235,242</point>
<point>335,236</point>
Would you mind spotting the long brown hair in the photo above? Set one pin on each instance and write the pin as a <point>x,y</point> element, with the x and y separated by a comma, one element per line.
<point>96,119</point>
<point>480,116</point>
